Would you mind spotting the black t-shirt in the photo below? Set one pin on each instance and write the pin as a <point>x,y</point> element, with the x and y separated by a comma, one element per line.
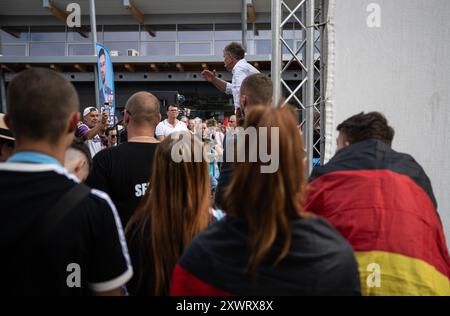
<point>123,172</point>
<point>142,283</point>
<point>87,245</point>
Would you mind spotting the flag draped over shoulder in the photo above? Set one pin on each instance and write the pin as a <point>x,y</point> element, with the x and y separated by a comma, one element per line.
<point>319,262</point>
<point>382,202</point>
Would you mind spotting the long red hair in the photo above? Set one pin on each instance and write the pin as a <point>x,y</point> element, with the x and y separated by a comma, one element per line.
<point>269,201</point>
<point>177,208</point>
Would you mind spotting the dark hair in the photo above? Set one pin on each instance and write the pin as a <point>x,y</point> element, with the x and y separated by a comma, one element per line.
<point>109,129</point>
<point>362,126</point>
<point>40,102</point>
<point>235,49</point>
<point>101,52</point>
<point>258,88</point>
<point>79,145</point>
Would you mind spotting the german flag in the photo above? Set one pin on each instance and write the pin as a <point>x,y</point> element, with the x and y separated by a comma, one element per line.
<point>319,262</point>
<point>382,202</point>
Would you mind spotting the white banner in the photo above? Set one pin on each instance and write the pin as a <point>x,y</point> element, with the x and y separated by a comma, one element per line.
<point>394,57</point>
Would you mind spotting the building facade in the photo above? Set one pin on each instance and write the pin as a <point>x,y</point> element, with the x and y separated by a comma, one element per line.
<point>163,47</point>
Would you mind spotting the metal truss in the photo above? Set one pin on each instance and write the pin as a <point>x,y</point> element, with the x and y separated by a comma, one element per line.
<point>304,56</point>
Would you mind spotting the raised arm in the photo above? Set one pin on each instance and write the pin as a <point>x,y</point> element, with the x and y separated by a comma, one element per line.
<point>210,76</point>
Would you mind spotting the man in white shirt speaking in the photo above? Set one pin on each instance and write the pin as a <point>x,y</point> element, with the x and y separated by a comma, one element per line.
<point>170,124</point>
<point>233,59</point>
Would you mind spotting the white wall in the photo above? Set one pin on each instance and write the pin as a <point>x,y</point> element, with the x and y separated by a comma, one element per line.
<point>401,69</point>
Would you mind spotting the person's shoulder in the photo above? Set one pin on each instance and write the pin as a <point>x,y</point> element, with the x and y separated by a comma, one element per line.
<point>82,127</point>
<point>317,230</point>
<point>220,238</point>
<point>227,228</point>
<point>161,124</point>
<point>108,151</point>
<point>242,64</point>
<point>125,148</point>
<point>182,125</point>
<point>97,205</point>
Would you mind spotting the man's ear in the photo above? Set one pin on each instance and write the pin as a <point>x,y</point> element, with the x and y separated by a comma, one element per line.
<point>158,118</point>
<point>73,122</point>
<point>7,120</point>
<point>126,119</point>
<point>79,165</point>
<point>242,100</point>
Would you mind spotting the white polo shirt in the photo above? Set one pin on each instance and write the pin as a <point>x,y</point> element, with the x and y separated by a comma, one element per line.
<point>164,128</point>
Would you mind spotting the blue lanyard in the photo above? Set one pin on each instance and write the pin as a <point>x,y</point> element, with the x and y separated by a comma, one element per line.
<point>33,157</point>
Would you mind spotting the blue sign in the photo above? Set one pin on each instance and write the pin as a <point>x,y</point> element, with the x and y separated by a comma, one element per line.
<point>106,82</point>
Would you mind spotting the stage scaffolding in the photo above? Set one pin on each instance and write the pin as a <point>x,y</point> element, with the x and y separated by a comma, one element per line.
<point>307,94</point>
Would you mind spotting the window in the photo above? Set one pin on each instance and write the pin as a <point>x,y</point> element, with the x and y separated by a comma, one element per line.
<point>74,36</point>
<point>13,50</point>
<point>47,49</point>
<point>263,47</point>
<point>13,34</point>
<point>228,32</point>
<point>122,47</point>
<point>194,48</point>
<point>262,31</point>
<point>77,37</point>
<point>290,43</point>
<point>158,48</point>
<point>161,32</point>
<point>195,32</point>
<point>80,49</point>
<point>48,34</point>
<point>220,45</point>
<point>121,33</point>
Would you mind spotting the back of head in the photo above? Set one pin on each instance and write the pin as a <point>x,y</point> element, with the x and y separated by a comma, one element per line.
<point>257,89</point>
<point>372,125</point>
<point>39,104</point>
<point>76,153</point>
<point>268,201</point>
<point>236,50</point>
<point>144,109</point>
<point>211,123</point>
<point>198,120</point>
<point>177,206</point>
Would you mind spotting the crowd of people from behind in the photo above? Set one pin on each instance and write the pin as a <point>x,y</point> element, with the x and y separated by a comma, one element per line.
<point>143,223</point>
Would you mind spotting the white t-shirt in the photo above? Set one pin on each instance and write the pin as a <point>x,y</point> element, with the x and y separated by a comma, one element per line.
<point>164,128</point>
<point>95,144</point>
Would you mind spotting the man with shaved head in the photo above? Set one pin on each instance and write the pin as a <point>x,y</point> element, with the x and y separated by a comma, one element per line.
<point>59,237</point>
<point>123,171</point>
